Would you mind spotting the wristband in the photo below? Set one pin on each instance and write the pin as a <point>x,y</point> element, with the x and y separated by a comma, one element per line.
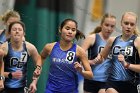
<point>127,65</point>
<point>10,75</point>
<point>2,78</point>
<point>38,67</point>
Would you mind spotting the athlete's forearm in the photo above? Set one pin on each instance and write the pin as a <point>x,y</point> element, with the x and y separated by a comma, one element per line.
<point>1,68</point>
<point>87,74</point>
<point>134,67</point>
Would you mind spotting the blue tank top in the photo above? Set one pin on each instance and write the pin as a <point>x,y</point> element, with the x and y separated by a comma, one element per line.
<point>101,71</point>
<point>13,61</point>
<point>62,74</point>
<point>127,48</point>
<point>2,37</point>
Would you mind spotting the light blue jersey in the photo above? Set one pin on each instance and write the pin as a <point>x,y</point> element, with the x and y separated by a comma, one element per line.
<point>62,74</point>
<point>127,48</point>
<point>13,61</point>
<point>100,71</point>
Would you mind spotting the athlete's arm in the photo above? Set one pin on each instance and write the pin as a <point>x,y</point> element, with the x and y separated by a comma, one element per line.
<point>105,52</point>
<point>135,67</point>
<point>1,70</point>
<point>4,47</point>
<point>87,72</point>
<point>89,41</point>
<point>36,58</point>
<point>1,62</point>
<point>46,51</point>
<point>33,53</point>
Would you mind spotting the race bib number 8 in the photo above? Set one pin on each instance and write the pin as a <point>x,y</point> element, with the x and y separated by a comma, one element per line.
<point>70,56</point>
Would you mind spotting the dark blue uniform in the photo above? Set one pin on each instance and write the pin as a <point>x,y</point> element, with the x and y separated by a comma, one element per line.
<point>62,74</point>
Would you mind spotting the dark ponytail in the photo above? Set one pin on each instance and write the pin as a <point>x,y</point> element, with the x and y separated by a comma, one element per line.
<point>79,35</point>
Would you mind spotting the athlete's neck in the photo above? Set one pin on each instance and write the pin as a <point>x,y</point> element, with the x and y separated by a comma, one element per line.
<point>16,45</point>
<point>103,36</point>
<point>126,37</point>
<point>65,45</point>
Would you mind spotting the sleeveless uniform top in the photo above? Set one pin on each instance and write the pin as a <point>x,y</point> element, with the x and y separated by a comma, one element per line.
<point>127,48</point>
<point>62,74</point>
<point>101,71</point>
<point>13,61</point>
<point>2,37</point>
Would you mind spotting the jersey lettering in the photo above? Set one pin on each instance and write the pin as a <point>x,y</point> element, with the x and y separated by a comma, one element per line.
<point>128,51</point>
<point>19,62</point>
<point>16,63</point>
<point>100,49</point>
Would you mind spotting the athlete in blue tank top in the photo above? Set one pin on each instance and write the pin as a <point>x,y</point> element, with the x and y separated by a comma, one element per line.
<point>62,72</point>
<point>15,53</point>
<point>63,60</point>
<point>13,61</point>
<point>100,70</point>
<point>8,17</point>
<point>94,44</point>
<point>63,68</point>
<point>122,78</point>
<point>125,49</point>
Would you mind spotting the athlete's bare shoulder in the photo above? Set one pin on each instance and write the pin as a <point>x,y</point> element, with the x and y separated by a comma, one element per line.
<point>80,51</point>
<point>137,42</point>
<point>48,48</point>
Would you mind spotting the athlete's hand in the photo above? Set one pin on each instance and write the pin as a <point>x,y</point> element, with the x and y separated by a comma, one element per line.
<point>92,62</point>
<point>17,75</point>
<point>78,66</point>
<point>99,59</point>
<point>32,87</point>
<point>122,59</point>
<point>37,72</point>
<point>1,85</point>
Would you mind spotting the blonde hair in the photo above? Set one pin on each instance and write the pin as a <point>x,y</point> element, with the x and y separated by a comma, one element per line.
<point>136,31</point>
<point>99,28</point>
<point>8,14</point>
